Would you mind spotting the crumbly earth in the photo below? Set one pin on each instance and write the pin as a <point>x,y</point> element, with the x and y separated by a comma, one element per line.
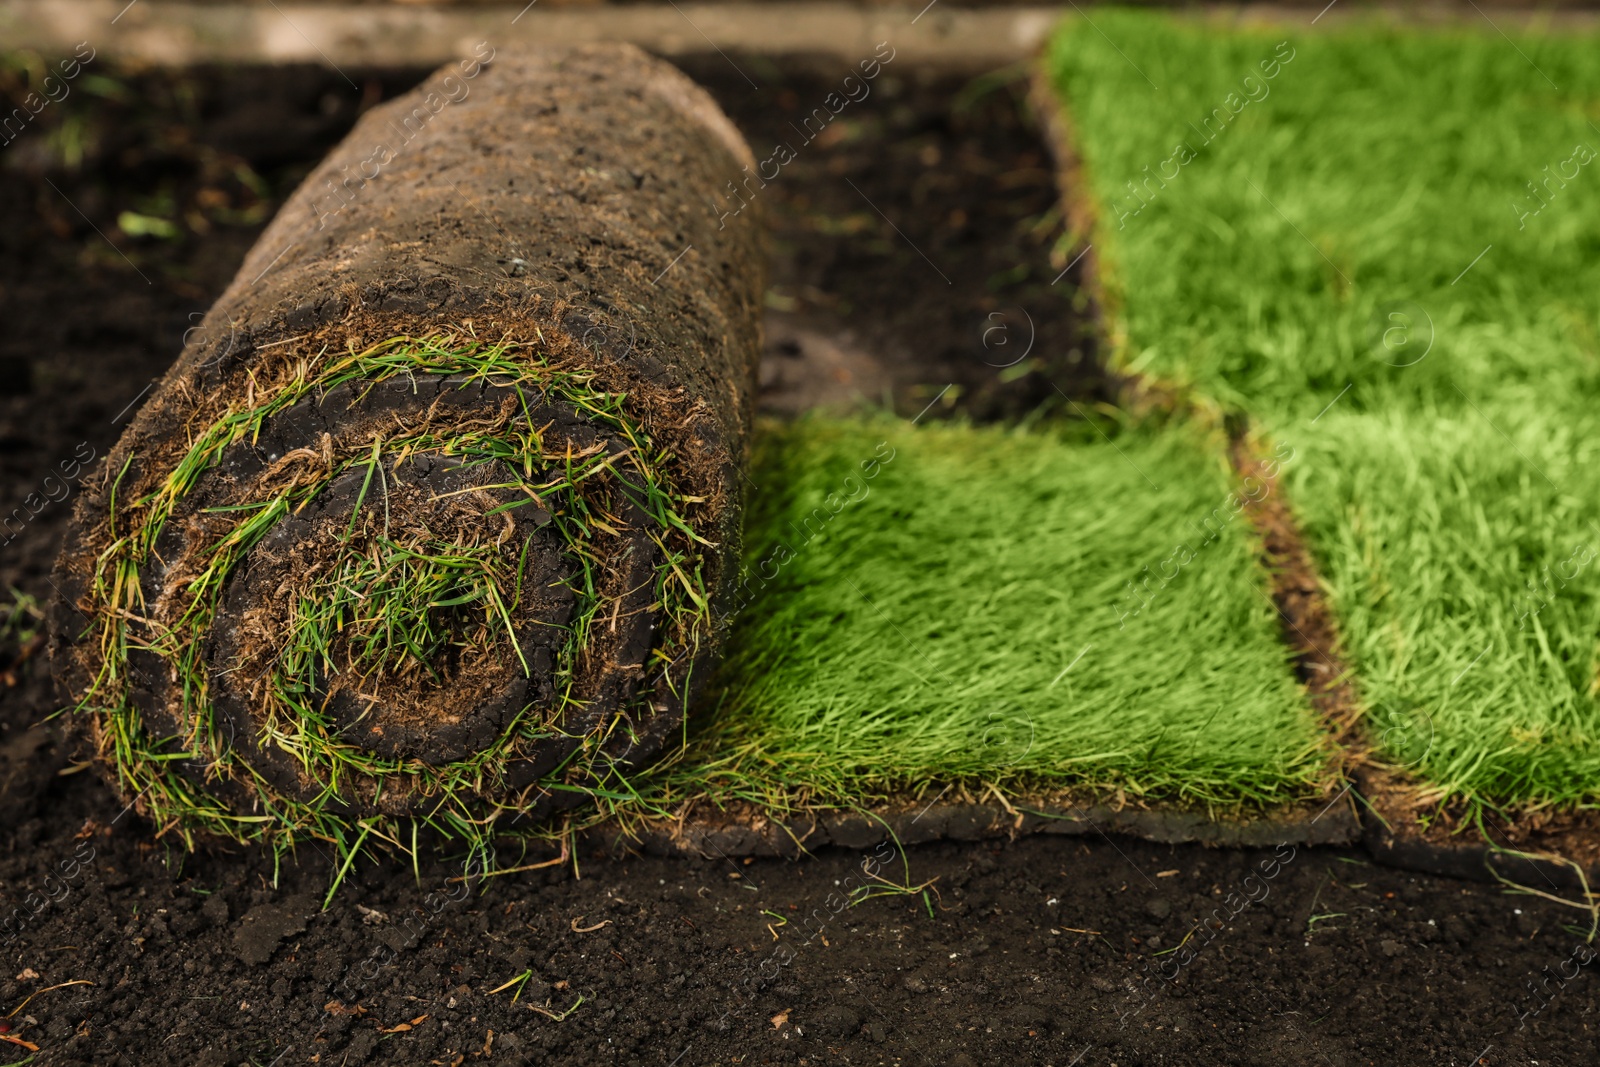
<point>914,242</point>
<point>201,959</point>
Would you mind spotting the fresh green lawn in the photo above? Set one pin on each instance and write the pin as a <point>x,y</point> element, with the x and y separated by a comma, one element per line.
<point>1430,530</point>
<point>943,601</point>
<point>1404,225</point>
<point>1373,169</point>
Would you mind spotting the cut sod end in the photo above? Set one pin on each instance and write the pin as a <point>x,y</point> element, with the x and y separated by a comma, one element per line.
<point>434,517</point>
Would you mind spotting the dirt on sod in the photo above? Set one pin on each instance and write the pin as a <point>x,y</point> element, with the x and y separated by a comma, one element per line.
<point>597,425</point>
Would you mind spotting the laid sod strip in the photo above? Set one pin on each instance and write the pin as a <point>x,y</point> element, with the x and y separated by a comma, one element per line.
<point>432,527</point>
<point>1468,589</point>
<point>1379,244</point>
<point>1028,610</point>
<point>1265,214</point>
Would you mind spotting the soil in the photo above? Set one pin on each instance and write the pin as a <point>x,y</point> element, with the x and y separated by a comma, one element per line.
<point>1033,951</point>
<point>1307,620</point>
<point>915,264</point>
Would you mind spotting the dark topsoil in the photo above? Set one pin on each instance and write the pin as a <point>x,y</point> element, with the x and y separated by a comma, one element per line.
<point>1026,952</point>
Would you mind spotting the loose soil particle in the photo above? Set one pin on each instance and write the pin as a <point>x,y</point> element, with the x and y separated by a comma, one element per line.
<point>983,980</point>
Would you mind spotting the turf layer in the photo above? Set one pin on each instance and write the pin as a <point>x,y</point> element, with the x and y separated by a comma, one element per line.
<point>1398,228</point>
<point>1009,607</point>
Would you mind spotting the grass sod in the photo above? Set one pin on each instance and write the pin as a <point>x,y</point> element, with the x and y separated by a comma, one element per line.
<point>386,600</point>
<point>387,595</point>
<point>953,603</point>
<point>1375,167</point>
<point>1468,587</point>
<point>1002,555</point>
<point>1368,222</point>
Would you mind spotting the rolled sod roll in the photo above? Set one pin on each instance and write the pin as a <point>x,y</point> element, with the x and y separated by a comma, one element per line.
<point>434,515</point>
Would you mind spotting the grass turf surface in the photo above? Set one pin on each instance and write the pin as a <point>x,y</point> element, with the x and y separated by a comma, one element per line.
<point>950,602</point>
<point>1403,225</point>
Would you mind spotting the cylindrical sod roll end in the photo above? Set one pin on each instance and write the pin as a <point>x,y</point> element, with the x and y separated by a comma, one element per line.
<point>433,516</point>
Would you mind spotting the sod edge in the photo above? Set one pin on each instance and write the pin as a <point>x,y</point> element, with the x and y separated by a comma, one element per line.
<point>743,829</point>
